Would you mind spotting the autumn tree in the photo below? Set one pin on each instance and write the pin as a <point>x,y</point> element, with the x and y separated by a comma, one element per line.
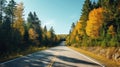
<point>80,32</point>
<point>95,22</point>
<point>35,24</point>
<point>87,7</point>
<point>32,34</point>
<point>98,24</point>
<point>19,21</point>
<point>17,35</point>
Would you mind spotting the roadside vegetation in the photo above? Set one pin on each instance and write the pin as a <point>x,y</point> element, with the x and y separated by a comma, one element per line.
<point>102,60</point>
<point>19,36</point>
<point>98,26</point>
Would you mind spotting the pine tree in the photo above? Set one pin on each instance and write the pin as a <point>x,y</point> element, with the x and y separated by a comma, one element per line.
<point>73,26</point>
<point>87,6</point>
<point>10,10</point>
<point>45,29</point>
<point>100,3</point>
<point>52,32</point>
<point>30,20</point>
<point>2,7</point>
<point>94,5</point>
<point>37,26</point>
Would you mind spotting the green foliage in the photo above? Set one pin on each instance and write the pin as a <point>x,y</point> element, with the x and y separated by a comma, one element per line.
<point>103,21</point>
<point>17,35</point>
<point>2,7</point>
<point>87,6</point>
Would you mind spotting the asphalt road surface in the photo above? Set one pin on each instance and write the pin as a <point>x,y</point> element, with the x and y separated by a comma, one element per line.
<point>60,56</point>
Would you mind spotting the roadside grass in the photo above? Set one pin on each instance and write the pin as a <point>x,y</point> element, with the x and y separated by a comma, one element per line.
<point>30,50</point>
<point>101,59</point>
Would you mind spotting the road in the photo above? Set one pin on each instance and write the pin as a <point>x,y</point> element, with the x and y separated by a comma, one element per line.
<point>60,56</point>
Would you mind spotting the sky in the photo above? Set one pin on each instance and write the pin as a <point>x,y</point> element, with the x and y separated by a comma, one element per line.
<point>57,13</point>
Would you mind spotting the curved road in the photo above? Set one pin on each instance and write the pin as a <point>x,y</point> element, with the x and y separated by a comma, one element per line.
<point>60,56</point>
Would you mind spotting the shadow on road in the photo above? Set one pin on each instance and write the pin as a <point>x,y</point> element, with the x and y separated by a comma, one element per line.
<point>73,60</point>
<point>39,59</point>
<point>58,50</point>
<point>59,64</point>
<point>42,59</point>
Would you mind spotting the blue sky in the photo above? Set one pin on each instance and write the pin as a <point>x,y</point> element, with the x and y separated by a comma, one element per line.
<point>57,13</point>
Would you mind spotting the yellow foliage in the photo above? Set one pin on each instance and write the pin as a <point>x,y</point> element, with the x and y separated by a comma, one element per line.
<point>95,22</point>
<point>76,32</point>
<point>111,30</point>
<point>77,38</point>
<point>19,21</point>
<point>79,28</point>
<point>32,34</point>
<point>48,34</point>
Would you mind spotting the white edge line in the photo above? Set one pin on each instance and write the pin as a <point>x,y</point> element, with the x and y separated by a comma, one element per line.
<point>87,57</point>
<point>67,47</point>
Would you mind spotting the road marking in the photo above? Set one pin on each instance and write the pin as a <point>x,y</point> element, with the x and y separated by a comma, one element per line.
<point>52,60</point>
<point>87,57</point>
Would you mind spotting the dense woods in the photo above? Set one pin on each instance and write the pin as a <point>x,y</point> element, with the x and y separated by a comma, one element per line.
<point>18,34</point>
<point>99,25</point>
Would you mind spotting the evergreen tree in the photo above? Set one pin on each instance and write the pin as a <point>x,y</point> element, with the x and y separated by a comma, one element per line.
<point>37,26</point>
<point>94,5</point>
<point>100,3</point>
<point>45,29</point>
<point>52,33</point>
<point>44,37</point>
<point>73,26</point>
<point>2,7</point>
<point>30,20</point>
<point>26,35</point>
<point>10,10</point>
<point>87,6</point>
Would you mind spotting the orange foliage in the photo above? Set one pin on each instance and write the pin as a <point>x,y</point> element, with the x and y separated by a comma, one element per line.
<point>95,22</point>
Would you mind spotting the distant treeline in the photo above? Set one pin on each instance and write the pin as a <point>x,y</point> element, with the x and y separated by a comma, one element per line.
<point>16,34</point>
<point>99,25</point>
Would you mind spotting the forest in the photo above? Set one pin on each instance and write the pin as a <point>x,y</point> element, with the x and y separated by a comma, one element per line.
<point>17,34</point>
<point>99,25</point>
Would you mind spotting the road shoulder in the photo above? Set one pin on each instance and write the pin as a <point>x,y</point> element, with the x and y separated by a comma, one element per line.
<point>102,60</point>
